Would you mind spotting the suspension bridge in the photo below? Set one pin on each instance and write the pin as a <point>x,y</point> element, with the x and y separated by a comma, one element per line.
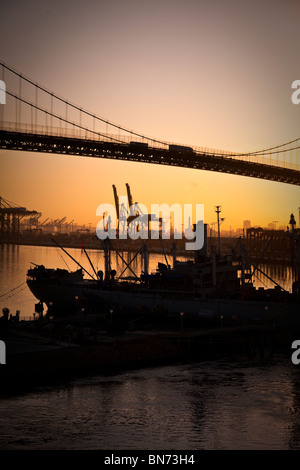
<point>35,119</point>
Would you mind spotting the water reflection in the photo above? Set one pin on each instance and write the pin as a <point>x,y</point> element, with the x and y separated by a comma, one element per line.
<point>212,405</point>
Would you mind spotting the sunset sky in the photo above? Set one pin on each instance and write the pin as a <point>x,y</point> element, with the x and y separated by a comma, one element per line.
<point>212,73</point>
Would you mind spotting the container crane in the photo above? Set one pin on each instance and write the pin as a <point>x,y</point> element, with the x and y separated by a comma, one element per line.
<point>121,212</point>
<point>136,211</point>
<point>11,215</point>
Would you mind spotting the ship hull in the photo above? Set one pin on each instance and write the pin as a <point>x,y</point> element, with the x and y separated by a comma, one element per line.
<point>264,310</point>
<point>57,296</point>
<point>64,298</point>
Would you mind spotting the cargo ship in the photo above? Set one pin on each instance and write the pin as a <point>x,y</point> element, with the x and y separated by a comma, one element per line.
<point>209,286</point>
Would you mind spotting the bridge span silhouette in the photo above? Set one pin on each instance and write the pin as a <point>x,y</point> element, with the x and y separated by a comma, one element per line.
<point>35,119</point>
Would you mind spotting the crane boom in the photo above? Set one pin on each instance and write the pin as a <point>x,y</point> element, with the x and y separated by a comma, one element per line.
<point>116,200</point>
<point>129,199</point>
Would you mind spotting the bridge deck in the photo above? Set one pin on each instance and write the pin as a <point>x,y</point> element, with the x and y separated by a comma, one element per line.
<point>119,151</point>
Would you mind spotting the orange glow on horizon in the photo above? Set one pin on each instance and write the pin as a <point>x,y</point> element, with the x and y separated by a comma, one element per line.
<point>199,73</point>
<point>73,187</point>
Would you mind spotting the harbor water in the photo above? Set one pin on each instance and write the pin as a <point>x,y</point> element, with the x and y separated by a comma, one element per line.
<point>230,403</point>
<point>216,405</point>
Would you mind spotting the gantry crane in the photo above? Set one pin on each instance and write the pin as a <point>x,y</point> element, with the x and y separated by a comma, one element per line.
<point>11,215</point>
<point>126,217</point>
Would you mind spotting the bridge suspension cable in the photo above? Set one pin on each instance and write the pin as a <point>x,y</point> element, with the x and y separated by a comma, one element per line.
<point>259,152</point>
<point>285,156</point>
<point>61,118</point>
<point>76,107</point>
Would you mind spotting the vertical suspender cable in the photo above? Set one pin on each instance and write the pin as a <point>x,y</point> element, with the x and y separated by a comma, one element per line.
<point>66,124</point>
<point>2,107</point>
<point>36,99</point>
<point>31,113</point>
<point>51,109</point>
<point>16,122</point>
<point>80,118</point>
<point>20,95</point>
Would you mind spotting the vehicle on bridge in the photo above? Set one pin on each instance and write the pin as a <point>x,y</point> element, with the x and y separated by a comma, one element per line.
<point>180,148</point>
<point>140,145</point>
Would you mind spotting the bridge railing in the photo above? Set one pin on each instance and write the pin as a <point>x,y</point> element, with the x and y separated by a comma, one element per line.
<point>74,133</point>
<point>284,159</point>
